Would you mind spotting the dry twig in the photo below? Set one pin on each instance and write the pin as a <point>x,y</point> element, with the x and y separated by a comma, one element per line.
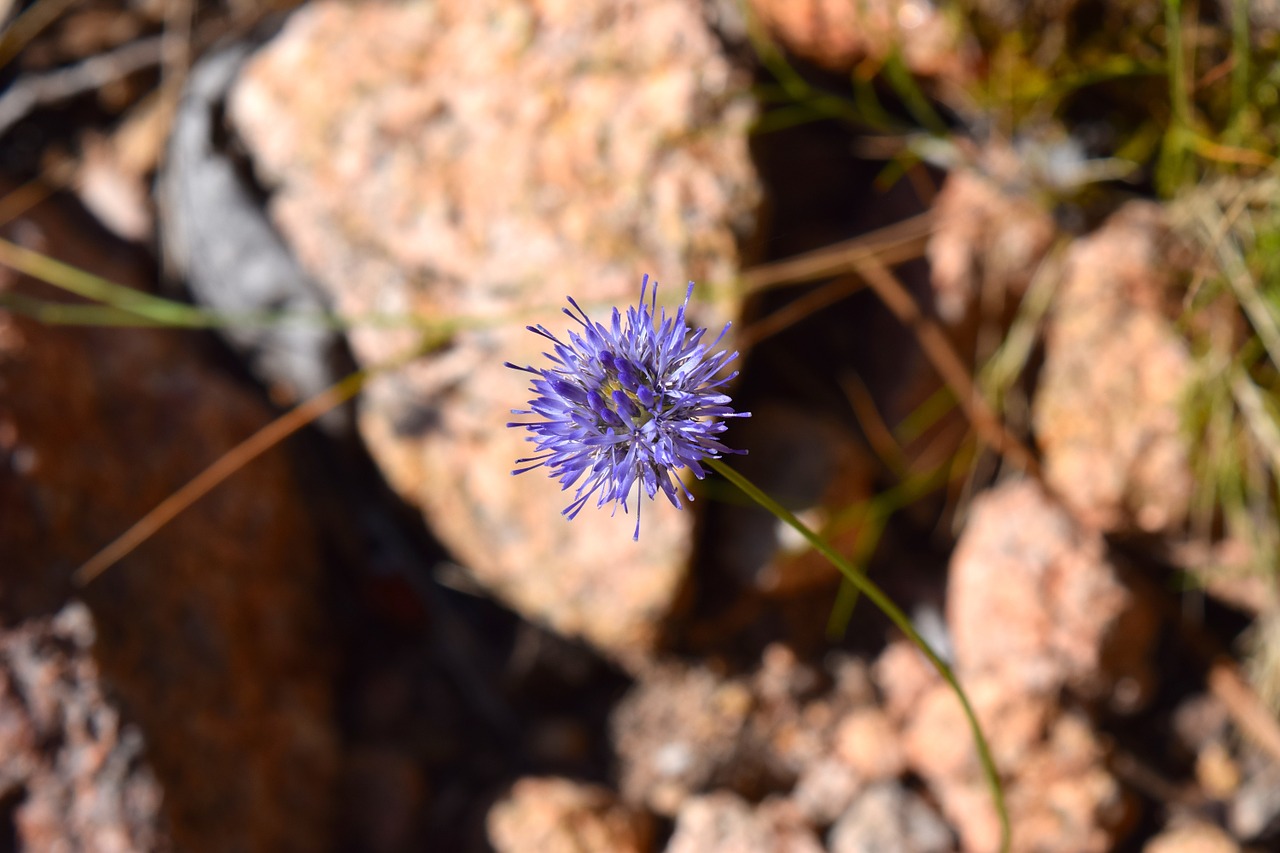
<point>33,91</point>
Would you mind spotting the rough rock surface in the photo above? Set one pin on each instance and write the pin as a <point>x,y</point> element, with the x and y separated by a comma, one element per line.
<point>562,816</point>
<point>725,823</point>
<point>211,633</point>
<point>1059,793</point>
<point>838,34</point>
<point>75,768</point>
<point>1107,409</point>
<point>477,162</point>
<point>1036,610</point>
<point>676,733</point>
<point>987,241</point>
<point>685,731</point>
<point>889,817</point>
<point>1192,838</point>
<point>1064,617</point>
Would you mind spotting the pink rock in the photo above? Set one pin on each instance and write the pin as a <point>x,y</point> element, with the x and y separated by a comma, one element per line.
<point>1034,600</point>
<point>78,769</point>
<point>476,162</point>
<point>1035,609</point>
<point>724,823</point>
<point>868,742</point>
<point>550,815</point>
<point>1108,406</point>
<point>1060,796</point>
<point>986,238</point>
<point>888,817</point>
<point>678,732</point>
<point>838,34</point>
<point>1192,838</point>
<point>904,676</point>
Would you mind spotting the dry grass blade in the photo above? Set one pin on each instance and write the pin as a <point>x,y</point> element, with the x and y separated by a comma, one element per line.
<point>208,479</point>
<point>38,90</point>
<point>29,25</point>
<point>1251,715</point>
<point>944,358</point>
<point>873,425</point>
<point>798,309</point>
<point>1261,423</point>
<point>891,245</point>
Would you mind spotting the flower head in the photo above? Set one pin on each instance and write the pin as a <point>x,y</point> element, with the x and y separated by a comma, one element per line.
<point>627,405</point>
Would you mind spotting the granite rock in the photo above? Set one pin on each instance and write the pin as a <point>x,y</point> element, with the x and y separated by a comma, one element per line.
<point>838,34</point>
<point>550,815</point>
<point>470,164</point>
<point>77,770</point>
<point>1107,408</point>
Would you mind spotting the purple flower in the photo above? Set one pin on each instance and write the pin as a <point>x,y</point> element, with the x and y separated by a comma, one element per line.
<point>627,405</point>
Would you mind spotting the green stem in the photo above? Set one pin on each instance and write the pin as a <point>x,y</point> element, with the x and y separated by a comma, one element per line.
<point>878,597</point>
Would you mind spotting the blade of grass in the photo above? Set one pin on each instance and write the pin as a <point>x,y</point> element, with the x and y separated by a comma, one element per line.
<point>28,25</point>
<point>99,289</point>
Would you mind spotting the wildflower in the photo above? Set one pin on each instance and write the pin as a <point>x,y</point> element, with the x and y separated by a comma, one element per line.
<point>627,406</point>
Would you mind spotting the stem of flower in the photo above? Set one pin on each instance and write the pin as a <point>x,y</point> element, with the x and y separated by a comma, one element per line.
<point>878,597</point>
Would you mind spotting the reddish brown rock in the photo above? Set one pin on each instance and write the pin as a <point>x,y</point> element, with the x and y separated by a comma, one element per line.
<point>562,816</point>
<point>1108,406</point>
<point>211,633</point>
<point>476,162</point>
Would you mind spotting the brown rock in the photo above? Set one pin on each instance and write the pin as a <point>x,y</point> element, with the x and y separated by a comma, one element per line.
<point>477,162</point>
<point>1107,409</point>
<point>838,34</point>
<point>562,816</point>
<point>211,632</point>
<point>724,823</point>
<point>76,768</point>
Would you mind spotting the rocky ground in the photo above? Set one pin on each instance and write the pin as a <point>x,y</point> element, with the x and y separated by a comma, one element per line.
<point>1007,338</point>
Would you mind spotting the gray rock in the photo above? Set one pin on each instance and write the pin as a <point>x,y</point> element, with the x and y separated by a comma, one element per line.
<point>887,818</point>
<point>217,236</point>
